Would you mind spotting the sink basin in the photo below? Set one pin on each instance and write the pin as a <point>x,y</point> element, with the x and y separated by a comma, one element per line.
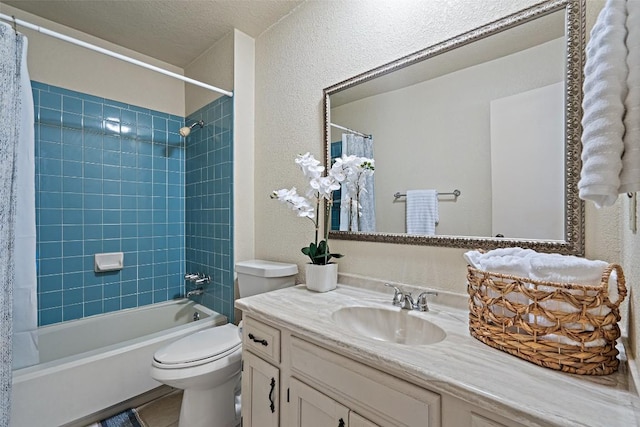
<point>397,326</point>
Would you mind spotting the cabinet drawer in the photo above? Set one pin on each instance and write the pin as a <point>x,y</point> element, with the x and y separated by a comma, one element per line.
<point>380,397</point>
<point>261,339</point>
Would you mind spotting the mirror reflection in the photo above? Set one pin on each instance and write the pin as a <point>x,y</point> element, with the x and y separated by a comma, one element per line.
<point>470,141</point>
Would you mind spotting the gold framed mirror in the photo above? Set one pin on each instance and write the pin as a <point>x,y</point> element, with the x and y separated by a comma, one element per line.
<point>489,119</point>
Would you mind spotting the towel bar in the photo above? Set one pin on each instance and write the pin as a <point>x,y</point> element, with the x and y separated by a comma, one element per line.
<point>454,193</point>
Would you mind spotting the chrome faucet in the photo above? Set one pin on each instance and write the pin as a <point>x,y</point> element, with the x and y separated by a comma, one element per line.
<point>202,280</point>
<point>421,301</point>
<point>198,278</point>
<point>194,292</point>
<point>405,300</point>
<point>398,296</point>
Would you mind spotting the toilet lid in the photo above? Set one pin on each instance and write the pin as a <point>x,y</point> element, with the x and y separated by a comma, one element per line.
<point>200,345</point>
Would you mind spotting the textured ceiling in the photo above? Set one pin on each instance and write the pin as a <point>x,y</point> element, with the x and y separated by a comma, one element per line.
<point>174,31</point>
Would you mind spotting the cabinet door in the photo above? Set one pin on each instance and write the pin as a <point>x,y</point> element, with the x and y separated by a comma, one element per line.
<point>480,421</point>
<point>310,408</point>
<point>356,420</point>
<point>260,385</point>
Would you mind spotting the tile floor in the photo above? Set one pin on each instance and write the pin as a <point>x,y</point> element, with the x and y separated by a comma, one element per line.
<point>162,412</point>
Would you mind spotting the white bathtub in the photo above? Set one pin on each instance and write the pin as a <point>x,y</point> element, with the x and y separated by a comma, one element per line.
<point>90,364</point>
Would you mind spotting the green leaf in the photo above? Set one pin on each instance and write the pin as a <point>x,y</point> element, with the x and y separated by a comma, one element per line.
<point>319,254</point>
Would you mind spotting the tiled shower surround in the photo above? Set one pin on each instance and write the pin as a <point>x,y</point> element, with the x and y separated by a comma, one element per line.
<point>110,177</point>
<point>209,203</point>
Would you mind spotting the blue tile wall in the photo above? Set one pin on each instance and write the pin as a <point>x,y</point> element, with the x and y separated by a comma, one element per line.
<point>209,203</point>
<point>110,177</point>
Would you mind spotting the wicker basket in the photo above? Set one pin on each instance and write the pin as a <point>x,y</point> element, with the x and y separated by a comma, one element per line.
<point>564,326</point>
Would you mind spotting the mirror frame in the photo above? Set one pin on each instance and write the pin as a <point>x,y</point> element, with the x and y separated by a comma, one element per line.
<point>575,58</point>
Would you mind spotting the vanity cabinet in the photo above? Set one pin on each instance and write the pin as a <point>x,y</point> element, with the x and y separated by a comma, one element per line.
<point>260,385</point>
<point>260,375</point>
<point>312,386</point>
<point>290,381</point>
<point>380,398</point>
<point>459,413</point>
<point>310,408</point>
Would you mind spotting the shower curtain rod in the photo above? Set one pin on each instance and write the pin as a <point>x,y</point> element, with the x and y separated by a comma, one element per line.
<point>350,130</point>
<point>107,52</point>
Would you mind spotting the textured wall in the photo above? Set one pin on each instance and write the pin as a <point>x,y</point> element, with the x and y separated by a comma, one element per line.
<point>341,39</point>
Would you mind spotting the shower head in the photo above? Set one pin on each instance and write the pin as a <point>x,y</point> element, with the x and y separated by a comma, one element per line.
<point>185,131</point>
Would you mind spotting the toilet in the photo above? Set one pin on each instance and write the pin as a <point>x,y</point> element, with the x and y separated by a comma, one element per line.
<point>207,364</point>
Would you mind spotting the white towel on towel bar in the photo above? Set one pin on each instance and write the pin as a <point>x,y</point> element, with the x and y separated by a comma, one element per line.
<point>422,212</point>
<point>630,174</point>
<point>611,120</point>
<point>605,89</point>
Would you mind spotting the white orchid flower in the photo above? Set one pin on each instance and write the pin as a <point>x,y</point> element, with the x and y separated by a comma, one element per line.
<point>310,167</point>
<point>295,201</point>
<point>324,186</point>
<point>349,171</point>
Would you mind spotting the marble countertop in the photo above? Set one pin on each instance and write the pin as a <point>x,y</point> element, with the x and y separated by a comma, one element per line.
<point>459,365</point>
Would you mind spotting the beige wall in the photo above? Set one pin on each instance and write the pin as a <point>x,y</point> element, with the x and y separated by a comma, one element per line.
<point>243,147</point>
<point>214,67</point>
<point>62,64</point>
<point>631,262</point>
<point>230,64</point>
<point>322,43</point>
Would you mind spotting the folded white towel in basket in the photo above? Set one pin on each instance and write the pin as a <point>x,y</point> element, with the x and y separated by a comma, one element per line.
<point>547,268</point>
<point>509,261</point>
<point>571,269</point>
<point>479,259</point>
<point>567,269</point>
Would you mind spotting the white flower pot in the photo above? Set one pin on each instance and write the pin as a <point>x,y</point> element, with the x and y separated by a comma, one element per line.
<point>321,278</point>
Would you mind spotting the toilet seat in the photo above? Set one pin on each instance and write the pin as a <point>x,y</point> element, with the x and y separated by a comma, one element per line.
<point>199,348</point>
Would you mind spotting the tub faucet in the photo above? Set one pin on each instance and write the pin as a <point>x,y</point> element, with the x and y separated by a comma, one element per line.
<point>198,278</point>
<point>202,280</point>
<point>194,292</point>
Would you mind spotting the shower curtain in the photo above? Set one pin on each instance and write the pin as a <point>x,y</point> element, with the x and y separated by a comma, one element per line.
<point>361,147</point>
<point>17,215</point>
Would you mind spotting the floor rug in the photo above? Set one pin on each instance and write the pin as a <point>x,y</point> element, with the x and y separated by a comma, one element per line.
<point>128,418</point>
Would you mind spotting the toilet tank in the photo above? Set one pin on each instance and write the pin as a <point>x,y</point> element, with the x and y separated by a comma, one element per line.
<point>257,276</point>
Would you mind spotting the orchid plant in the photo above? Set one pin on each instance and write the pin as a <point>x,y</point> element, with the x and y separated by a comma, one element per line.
<point>353,172</point>
<point>321,187</point>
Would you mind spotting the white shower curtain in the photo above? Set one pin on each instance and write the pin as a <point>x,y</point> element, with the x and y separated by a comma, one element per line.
<point>17,232</point>
<point>361,147</point>
<point>25,300</point>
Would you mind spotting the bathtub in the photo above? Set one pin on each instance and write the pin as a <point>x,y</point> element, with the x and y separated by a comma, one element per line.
<point>90,364</point>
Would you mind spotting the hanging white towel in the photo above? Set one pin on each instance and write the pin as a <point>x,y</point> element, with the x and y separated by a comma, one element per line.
<point>630,175</point>
<point>605,89</point>
<point>422,212</point>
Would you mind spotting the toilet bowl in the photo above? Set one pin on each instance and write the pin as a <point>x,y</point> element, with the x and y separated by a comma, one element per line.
<point>206,365</point>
